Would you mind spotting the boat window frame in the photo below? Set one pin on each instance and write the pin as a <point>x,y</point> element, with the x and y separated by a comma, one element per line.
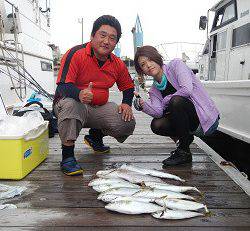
<point>48,66</point>
<point>219,11</point>
<point>234,45</point>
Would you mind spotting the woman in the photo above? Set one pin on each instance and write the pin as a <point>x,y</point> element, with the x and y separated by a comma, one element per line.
<point>178,102</point>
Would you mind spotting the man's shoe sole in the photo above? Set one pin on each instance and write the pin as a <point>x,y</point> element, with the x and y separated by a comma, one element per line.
<point>76,173</point>
<point>86,142</point>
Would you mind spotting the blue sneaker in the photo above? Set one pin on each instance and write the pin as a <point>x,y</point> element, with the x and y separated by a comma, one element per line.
<point>96,144</point>
<point>70,167</point>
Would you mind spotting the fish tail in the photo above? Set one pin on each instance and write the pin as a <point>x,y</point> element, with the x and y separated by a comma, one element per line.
<point>206,210</point>
<point>197,190</point>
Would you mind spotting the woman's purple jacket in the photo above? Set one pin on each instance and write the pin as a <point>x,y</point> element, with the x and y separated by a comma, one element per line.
<point>187,85</point>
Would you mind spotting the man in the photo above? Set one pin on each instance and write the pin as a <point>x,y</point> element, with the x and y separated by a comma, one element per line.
<point>81,99</point>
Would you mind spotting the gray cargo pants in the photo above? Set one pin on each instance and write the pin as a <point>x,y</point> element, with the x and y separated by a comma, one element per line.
<point>73,116</point>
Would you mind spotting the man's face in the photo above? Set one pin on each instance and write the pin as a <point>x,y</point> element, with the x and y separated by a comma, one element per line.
<point>104,41</point>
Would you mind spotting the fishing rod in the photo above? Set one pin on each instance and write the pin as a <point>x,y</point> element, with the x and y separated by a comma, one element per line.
<point>30,79</point>
<point>30,85</point>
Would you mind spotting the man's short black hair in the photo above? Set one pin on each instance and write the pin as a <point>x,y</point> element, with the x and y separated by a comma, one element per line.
<point>107,20</point>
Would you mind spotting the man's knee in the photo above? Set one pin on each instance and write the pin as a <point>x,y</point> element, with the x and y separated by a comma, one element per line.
<point>68,104</point>
<point>69,129</point>
<point>70,109</point>
<point>125,128</point>
<point>125,131</point>
<point>122,130</point>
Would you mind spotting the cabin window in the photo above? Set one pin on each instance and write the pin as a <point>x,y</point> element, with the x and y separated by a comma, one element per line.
<point>241,35</point>
<point>221,40</point>
<point>219,19</point>
<point>225,15</point>
<point>46,66</point>
<point>229,13</point>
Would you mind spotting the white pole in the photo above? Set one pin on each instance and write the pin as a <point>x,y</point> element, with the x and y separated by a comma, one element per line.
<point>82,30</point>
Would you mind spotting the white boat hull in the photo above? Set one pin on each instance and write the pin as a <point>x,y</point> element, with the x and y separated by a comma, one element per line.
<point>33,65</point>
<point>28,47</point>
<point>233,101</point>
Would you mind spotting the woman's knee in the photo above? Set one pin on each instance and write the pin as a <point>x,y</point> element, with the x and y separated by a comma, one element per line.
<point>156,126</point>
<point>177,101</point>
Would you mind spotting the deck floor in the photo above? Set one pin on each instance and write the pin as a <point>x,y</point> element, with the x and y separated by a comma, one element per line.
<point>54,201</point>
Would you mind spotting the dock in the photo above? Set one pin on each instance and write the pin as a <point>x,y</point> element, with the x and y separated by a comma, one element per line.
<point>54,201</point>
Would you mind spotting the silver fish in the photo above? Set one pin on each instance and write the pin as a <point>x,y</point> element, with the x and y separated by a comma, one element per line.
<point>113,198</point>
<point>131,198</point>
<point>105,187</point>
<point>128,175</point>
<point>99,181</point>
<point>120,191</point>
<point>107,197</point>
<point>158,193</point>
<point>177,204</point>
<point>133,207</point>
<point>105,172</point>
<point>170,187</point>
<point>151,172</point>
<point>176,214</point>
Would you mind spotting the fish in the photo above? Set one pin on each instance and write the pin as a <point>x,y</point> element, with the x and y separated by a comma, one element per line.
<point>177,204</point>
<point>7,191</point>
<point>120,191</point>
<point>113,198</point>
<point>175,214</point>
<point>133,207</point>
<point>104,172</point>
<point>151,172</point>
<point>108,197</point>
<point>105,187</point>
<point>128,175</point>
<point>99,181</point>
<point>158,193</point>
<point>174,188</point>
<point>131,198</point>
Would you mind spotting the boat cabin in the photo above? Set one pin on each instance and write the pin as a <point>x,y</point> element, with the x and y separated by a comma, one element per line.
<point>226,54</point>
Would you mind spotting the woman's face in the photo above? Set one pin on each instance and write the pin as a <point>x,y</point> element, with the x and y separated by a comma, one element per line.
<point>150,67</point>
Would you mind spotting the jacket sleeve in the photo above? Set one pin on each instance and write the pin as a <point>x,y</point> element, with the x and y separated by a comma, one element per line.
<point>153,106</point>
<point>184,79</point>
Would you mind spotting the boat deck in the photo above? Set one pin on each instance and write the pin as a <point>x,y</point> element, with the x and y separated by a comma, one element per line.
<point>59,202</point>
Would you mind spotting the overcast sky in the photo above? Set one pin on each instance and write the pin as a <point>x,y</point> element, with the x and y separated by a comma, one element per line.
<point>162,20</point>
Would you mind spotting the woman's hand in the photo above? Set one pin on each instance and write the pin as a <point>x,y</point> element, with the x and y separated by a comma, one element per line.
<point>138,102</point>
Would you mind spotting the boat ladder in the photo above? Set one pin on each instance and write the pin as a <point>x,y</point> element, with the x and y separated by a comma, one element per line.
<point>11,54</point>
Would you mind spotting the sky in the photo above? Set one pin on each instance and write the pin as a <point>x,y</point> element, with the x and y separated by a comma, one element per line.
<point>162,20</point>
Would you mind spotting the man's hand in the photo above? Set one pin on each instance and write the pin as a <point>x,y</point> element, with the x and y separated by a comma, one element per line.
<point>86,95</point>
<point>126,111</point>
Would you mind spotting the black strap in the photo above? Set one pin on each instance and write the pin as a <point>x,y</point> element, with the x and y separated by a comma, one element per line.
<point>33,102</point>
<point>37,103</point>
